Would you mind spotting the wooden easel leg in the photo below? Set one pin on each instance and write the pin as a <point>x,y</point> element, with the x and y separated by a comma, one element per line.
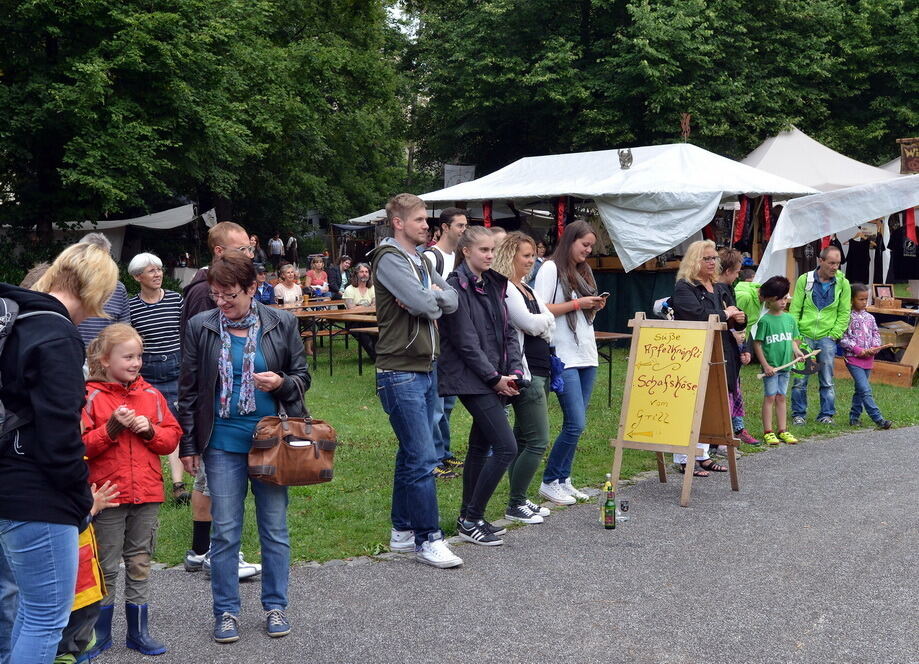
<point>617,467</point>
<point>687,478</point>
<point>732,468</point>
<point>661,471</point>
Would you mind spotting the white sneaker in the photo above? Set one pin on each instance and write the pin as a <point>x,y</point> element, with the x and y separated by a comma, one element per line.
<point>437,554</point>
<point>401,540</point>
<point>572,491</point>
<point>246,570</point>
<point>539,509</point>
<point>556,493</point>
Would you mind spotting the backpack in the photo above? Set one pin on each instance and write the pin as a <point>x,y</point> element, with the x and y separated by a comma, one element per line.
<point>9,314</point>
<point>438,260</point>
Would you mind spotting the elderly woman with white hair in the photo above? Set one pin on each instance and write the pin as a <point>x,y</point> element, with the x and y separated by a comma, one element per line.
<point>155,314</point>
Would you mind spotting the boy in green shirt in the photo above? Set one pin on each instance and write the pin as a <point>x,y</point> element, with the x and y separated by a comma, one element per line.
<point>775,344</point>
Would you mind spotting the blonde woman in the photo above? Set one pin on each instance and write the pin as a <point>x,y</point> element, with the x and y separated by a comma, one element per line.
<point>288,290</point>
<point>534,323</point>
<point>698,293</point>
<point>45,497</point>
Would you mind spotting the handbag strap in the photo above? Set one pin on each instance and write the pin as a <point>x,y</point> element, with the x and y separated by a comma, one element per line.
<point>301,390</point>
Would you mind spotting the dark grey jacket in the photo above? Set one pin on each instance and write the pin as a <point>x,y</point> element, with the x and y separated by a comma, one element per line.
<point>283,350</point>
<point>478,342</point>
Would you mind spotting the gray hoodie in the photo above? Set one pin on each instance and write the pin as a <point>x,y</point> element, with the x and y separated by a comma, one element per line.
<point>407,307</point>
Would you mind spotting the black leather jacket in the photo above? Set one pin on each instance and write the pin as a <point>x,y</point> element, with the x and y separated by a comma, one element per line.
<point>283,350</point>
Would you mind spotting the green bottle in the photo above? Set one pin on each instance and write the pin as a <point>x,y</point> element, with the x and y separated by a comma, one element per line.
<point>609,507</point>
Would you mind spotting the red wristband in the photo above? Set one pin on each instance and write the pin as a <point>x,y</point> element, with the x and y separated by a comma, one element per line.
<point>577,304</point>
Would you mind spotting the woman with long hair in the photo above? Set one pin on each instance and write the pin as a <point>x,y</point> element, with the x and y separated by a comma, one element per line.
<point>480,363</point>
<point>45,497</point>
<point>697,294</point>
<point>534,324</point>
<point>566,284</point>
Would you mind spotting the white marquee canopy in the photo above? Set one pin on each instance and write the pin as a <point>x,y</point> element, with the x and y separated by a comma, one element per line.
<point>669,193</point>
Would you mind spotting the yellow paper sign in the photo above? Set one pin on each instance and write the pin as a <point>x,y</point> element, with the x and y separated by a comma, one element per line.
<point>664,392</point>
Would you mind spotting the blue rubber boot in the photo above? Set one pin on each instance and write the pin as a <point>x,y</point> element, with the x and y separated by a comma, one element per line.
<point>139,638</point>
<point>103,633</point>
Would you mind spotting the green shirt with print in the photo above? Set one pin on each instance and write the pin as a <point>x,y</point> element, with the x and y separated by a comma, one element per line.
<point>775,333</point>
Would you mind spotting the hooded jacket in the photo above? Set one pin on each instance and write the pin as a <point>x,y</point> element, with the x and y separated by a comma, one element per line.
<point>42,471</point>
<point>479,343</point>
<point>831,321</point>
<point>406,308</point>
<point>747,295</point>
<point>128,461</point>
<point>283,350</point>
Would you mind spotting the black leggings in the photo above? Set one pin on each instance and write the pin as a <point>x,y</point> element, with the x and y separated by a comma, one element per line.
<point>482,473</point>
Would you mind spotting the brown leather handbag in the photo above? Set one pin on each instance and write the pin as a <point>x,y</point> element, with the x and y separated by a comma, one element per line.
<point>292,451</point>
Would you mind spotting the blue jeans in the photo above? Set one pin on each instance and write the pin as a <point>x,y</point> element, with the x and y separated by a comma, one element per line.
<point>9,600</point>
<point>827,348</point>
<point>409,398</point>
<point>443,408</point>
<point>863,397</point>
<point>228,481</point>
<point>42,560</point>
<point>579,385</point>
<point>162,372</point>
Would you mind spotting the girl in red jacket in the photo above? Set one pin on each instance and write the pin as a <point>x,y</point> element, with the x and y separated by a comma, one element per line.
<point>128,427</point>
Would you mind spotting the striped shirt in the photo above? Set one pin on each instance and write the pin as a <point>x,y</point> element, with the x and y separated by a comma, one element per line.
<point>158,323</point>
<point>116,308</point>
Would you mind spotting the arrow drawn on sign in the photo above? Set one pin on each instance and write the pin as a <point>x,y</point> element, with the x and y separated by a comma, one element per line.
<point>640,434</point>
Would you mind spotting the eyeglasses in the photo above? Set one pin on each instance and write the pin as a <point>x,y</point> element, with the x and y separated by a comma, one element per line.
<point>153,270</point>
<point>709,259</point>
<point>248,249</point>
<point>226,297</point>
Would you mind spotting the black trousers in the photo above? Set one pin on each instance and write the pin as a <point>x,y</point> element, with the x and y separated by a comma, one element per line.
<point>482,473</point>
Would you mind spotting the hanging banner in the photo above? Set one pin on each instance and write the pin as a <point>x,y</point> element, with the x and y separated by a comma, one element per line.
<point>486,213</point>
<point>561,210</point>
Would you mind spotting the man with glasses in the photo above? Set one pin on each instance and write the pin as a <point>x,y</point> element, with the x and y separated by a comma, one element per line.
<point>223,237</point>
<point>821,304</point>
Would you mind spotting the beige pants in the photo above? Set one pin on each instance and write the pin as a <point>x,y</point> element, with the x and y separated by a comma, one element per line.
<point>127,532</point>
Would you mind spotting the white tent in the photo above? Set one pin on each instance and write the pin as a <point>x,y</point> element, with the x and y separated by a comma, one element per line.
<point>892,166</point>
<point>795,155</point>
<point>806,219</point>
<point>669,193</point>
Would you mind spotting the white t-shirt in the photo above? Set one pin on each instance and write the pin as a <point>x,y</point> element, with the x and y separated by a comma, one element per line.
<point>292,295</point>
<point>567,346</point>
<point>275,247</point>
<point>449,260</point>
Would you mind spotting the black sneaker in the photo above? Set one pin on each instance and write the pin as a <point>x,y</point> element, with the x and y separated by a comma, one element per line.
<point>884,424</point>
<point>495,530</point>
<point>479,533</point>
<point>443,473</point>
<point>522,514</point>
<point>452,463</point>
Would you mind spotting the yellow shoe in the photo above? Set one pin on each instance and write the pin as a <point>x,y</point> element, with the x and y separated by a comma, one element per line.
<point>771,439</point>
<point>786,437</point>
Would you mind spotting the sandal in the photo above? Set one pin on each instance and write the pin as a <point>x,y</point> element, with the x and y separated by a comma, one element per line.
<point>711,466</point>
<point>696,472</point>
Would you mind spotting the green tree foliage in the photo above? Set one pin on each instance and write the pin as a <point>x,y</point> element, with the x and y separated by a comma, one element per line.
<point>274,106</point>
<point>510,78</point>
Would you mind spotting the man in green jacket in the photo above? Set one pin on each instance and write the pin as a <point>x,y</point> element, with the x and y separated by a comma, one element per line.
<point>821,304</point>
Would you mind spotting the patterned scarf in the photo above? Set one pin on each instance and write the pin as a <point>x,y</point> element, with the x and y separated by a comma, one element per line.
<point>225,362</point>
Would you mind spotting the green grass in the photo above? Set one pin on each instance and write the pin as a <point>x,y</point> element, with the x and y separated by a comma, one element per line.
<point>350,515</point>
